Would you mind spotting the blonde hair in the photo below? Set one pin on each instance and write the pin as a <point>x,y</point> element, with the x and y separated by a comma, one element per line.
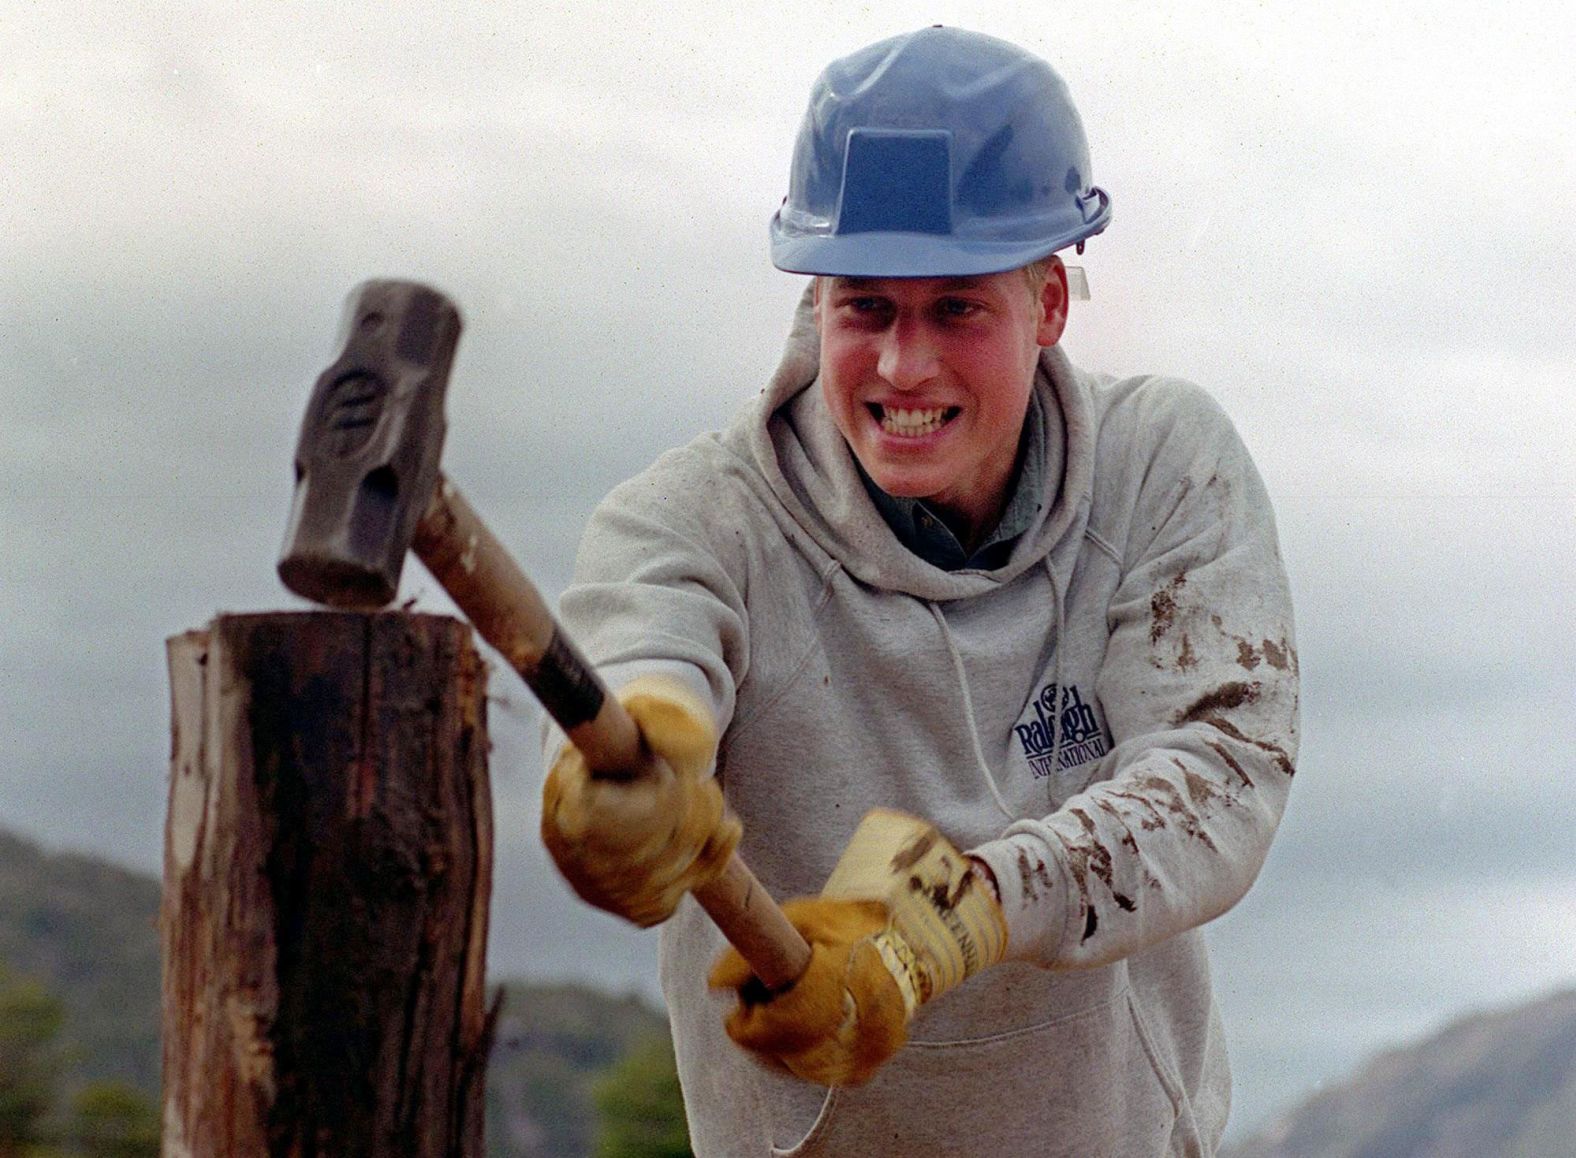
<point>1039,272</point>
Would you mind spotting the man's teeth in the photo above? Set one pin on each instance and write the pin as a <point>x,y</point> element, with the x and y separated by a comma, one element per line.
<point>913,422</point>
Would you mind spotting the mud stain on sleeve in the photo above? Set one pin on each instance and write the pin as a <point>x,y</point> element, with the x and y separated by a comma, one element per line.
<point>1154,821</point>
<point>1032,872</point>
<point>1222,699</point>
<point>1187,660</point>
<point>1203,791</point>
<point>1283,761</point>
<point>1098,859</point>
<point>1186,818</point>
<point>1078,865</point>
<point>1163,608</point>
<point>1095,854</point>
<point>1231,762</point>
<point>1129,840</point>
<point>1279,656</point>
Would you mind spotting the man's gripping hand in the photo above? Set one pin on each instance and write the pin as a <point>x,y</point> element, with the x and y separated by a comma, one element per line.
<point>903,918</point>
<point>636,847</point>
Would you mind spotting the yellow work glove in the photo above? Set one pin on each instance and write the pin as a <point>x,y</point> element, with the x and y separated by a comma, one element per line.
<point>636,847</point>
<point>902,919</point>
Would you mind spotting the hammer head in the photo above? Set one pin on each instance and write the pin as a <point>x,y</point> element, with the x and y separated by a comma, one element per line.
<point>367,459</point>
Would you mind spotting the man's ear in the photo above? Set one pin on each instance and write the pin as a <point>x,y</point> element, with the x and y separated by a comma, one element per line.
<point>1053,304</point>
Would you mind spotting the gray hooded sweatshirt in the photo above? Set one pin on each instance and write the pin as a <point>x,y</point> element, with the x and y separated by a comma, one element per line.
<point>1109,720</point>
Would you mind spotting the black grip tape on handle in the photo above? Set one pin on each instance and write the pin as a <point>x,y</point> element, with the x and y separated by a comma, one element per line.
<point>566,684</point>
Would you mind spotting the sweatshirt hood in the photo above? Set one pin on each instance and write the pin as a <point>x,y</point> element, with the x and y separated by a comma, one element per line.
<point>808,466</point>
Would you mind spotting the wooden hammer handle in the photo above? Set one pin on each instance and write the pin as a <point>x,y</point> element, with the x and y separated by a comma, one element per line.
<point>510,614</point>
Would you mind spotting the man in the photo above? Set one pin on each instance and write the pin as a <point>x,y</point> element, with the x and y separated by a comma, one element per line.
<point>999,654</point>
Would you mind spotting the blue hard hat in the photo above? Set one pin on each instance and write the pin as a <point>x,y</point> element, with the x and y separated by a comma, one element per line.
<point>937,153</point>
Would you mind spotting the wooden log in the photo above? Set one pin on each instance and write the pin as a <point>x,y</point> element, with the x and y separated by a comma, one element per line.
<point>327,871</point>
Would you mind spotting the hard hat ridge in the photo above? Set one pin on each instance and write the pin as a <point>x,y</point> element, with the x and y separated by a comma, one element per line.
<point>939,152</point>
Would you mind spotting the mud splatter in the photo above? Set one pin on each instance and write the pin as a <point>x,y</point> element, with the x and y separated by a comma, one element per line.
<point>1279,655</point>
<point>1097,856</point>
<point>1186,660</point>
<point>912,853</point>
<point>942,898</point>
<point>1092,856</point>
<point>1163,608</point>
<point>1222,699</point>
<point>1221,724</point>
<point>1079,867</point>
<point>1129,841</point>
<point>1025,874</point>
<point>1185,817</point>
<point>1084,857</point>
<point>1204,791</point>
<point>1231,762</point>
<point>1030,872</point>
<point>1282,760</point>
<point>1151,823</point>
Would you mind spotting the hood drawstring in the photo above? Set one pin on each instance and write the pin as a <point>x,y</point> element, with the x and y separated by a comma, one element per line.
<point>968,710</point>
<point>1056,678</point>
<point>1057,733</point>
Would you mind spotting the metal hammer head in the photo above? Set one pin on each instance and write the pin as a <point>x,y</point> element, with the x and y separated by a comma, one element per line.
<point>367,459</point>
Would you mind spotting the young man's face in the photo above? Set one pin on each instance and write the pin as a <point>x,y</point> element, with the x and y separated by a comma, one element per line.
<point>929,380</point>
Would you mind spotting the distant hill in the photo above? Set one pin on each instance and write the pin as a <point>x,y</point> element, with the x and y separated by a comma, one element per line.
<point>1495,1085</point>
<point>552,1045</point>
<point>88,931</point>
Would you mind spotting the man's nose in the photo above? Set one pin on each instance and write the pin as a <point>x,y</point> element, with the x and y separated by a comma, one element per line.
<point>908,356</point>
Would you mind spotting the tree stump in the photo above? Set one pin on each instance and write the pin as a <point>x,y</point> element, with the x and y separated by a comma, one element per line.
<point>327,870</point>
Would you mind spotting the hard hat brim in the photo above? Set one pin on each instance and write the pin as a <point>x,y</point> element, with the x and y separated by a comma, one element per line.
<point>906,254</point>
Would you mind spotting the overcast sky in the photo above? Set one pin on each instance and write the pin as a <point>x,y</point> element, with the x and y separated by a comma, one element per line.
<point>1351,222</point>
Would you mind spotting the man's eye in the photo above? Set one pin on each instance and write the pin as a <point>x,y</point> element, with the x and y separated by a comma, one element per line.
<point>864,309</point>
<point>956,308</point>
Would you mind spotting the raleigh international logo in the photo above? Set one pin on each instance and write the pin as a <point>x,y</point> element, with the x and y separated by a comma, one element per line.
<point>1083,739</point>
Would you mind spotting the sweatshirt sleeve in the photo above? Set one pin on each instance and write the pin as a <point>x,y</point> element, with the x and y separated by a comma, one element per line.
<point>1199,687</point>
<point>656,588</point>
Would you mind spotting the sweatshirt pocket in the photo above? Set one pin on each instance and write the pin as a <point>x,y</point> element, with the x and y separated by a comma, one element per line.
<point>1085,1085</point>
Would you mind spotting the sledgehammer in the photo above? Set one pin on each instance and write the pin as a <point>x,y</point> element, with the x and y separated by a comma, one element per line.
<point>368,487</point>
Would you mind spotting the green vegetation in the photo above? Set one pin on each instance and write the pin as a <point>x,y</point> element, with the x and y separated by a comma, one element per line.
<point>112,1120</point>
<point>557,1048</point>
<point>29,1022</point>
<point>104,1119</point>
<point>640,1109</point>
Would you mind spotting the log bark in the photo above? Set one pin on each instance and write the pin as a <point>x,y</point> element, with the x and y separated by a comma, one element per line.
<point>327,871</point>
